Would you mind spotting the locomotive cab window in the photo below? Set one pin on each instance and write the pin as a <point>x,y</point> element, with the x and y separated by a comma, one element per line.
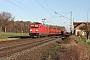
<point>36,26</point>
<point>32,26</point>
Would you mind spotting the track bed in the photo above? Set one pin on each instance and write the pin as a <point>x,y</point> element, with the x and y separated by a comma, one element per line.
<point>17,49</point>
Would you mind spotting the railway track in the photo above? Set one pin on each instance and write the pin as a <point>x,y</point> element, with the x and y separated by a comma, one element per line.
<point>9,49</point>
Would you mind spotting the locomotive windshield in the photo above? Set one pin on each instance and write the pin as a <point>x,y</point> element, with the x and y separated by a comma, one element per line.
<point>34,26</point>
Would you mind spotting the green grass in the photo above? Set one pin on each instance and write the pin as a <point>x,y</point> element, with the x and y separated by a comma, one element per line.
<point>6,35</point>
<point>83,40</point>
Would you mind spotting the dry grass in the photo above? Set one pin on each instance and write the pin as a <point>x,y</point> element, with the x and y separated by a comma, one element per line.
<point>72,51</point>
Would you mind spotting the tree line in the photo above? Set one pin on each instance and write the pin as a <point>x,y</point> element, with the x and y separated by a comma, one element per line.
<point>7,24</point>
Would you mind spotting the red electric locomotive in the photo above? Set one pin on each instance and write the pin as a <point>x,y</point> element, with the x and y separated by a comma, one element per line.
<point>37,29</point>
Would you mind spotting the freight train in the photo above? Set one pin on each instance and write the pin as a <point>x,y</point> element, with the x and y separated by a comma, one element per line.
<point>39,30</point>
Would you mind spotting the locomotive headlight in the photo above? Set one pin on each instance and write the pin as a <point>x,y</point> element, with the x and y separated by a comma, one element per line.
<point>30,30</point>
<point>36,30</point>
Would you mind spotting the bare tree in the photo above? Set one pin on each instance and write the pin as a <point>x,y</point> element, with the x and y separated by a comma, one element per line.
<point>86,29</point>
<point>5,17</point>
<point>7,24</point>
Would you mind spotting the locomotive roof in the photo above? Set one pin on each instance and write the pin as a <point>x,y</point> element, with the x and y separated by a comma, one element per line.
<point>36,23</point>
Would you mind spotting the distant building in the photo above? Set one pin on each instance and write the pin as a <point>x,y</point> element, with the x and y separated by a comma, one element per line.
<point>77,26</point>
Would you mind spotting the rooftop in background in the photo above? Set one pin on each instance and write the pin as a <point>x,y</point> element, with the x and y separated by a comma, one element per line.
<point>77,25</point>
<point>80,22</point>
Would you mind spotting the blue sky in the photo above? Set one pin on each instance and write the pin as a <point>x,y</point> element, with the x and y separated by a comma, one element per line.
<point>36,10</point>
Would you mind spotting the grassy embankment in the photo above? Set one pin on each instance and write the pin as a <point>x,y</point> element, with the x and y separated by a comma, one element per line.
<point>6,35</point>
<point>59,48</point>
<point>83,40</point>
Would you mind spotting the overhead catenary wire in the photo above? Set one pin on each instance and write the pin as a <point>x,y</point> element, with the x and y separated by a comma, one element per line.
<point>43,7</point>
<point>26,6</point>
<point>56,12</point>
<point>23,5</point>
<point>49,8</point>
<point>66,13</point>
<point>62,12</point>
<point>48,5</point>
<point>62,15</point>
<point>22,8</point>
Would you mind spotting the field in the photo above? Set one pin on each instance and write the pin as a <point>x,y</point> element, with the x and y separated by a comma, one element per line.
<point>7,35</point>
